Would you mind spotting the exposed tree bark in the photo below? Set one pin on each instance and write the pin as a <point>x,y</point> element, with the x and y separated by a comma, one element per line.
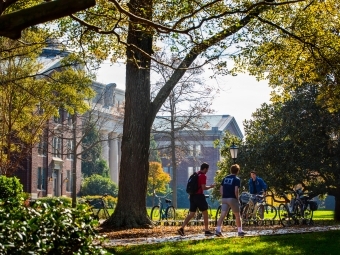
<point>13,23</point>
<point>131,210</point>
<point>337,205</point>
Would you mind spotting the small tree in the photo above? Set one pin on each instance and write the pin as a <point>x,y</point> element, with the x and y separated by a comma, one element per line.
<point>182,112</point>
<point>157,180</point>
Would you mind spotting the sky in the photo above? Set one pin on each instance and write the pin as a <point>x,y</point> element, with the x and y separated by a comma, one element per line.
<point>239,97</point>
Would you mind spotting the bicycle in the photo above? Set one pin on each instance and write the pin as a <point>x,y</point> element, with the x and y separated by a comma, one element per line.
<point>292,210</point>
<point>258,210</point>
<point>99,207</point>
<point>230,217</point>
<point>160,212</point>
<point>308,206</point>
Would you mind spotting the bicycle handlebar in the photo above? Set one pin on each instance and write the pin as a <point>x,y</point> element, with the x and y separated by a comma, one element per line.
<point>167,194</point>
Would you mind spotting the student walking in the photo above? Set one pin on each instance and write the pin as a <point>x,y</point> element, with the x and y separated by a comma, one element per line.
<point>229,190</point>
<point>199,201</point>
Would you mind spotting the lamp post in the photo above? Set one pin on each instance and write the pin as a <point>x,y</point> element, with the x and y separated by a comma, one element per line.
<point>233,152</point>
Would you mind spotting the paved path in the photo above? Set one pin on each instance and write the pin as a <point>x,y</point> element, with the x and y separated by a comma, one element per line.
<point>177,238</point>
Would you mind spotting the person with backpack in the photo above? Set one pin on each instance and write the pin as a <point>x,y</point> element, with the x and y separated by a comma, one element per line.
<point>197,199</point>
<point>256,185</point>
<point>229,190</point>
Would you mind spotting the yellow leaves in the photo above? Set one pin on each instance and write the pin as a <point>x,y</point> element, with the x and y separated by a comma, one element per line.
<point>157,179</point>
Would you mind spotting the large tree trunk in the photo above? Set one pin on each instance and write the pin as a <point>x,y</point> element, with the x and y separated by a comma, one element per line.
<point>131,207</point>
<point>337,205</point>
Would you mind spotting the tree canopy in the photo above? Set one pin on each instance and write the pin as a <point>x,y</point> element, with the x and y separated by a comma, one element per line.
<point>295,141</point>
<point>205,30</point>
<point>30,95</point>
<point>293,49</point>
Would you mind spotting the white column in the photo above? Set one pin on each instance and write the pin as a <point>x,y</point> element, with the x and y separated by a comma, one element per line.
<point>114,157</point>
<point>105,145</point>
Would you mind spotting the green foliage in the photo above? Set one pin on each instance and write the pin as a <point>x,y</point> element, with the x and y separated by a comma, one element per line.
<point>92,161</point>
<point>30,95</point>
<point>295,142</point>
<point>98,185</point>
<point>226,161</point>
<point>47,229</point>
<point>10,187</point>
<point>305,49</point>
<point>61,201</point>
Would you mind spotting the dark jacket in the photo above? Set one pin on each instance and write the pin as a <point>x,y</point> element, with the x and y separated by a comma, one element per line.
<point>259,183</point>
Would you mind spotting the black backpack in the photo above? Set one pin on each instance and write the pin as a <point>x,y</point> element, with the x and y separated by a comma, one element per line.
<point>192,185</point>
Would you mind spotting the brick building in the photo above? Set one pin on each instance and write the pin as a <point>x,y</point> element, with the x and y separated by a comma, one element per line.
<point>48,170</point>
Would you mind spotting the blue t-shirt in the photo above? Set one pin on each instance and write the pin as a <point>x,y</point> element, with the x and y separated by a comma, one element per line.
<point>229,183</point>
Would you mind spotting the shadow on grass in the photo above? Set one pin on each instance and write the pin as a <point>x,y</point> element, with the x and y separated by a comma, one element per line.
<point>304,243</point>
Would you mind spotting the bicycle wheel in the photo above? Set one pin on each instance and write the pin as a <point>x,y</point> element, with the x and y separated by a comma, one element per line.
<point>246,214</point>
<point>298,213</point>
<point>284,215</point>
<point>170,213</point>
<point>230,217</point>
<point>308,216</point>
<point>106,213</point>
<point>155,215</point>
<point>259,215</point>
<point>269,212</point>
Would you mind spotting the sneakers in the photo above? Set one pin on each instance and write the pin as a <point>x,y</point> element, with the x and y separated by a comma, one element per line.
<point>241,233</point>
<point>208,233</point>
<point>181,232</point>
<point>218,234</point>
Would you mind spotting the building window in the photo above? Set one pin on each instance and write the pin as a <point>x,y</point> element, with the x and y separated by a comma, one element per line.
<point>58,119</point>
<point>168,170</point>
<point>70,148</point>
<point>42,146</point>
<point>69,181</point>
<point>191,150</point>
<point>190,171</point>
<point>198,151</point>
<point>56,147</point>
<point>194,150</point>
<point>41,179</point>
<point>69,120</point>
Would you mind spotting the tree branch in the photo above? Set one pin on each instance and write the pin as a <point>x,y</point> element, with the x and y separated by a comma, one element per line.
<point>13,23</point>
<point>193,54</point>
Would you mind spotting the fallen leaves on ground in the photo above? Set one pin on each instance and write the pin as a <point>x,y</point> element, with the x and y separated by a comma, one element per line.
<point>164,231</point>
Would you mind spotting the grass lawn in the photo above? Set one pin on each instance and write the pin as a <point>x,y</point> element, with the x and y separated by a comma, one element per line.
<point>305,243</point>
<point>323,215</point>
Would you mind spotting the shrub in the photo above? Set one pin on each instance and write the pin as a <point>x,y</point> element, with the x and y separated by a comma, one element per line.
<point>10,187</point>
<point>98,185</point>
<point>60,201</point>
<point>47,229</point>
